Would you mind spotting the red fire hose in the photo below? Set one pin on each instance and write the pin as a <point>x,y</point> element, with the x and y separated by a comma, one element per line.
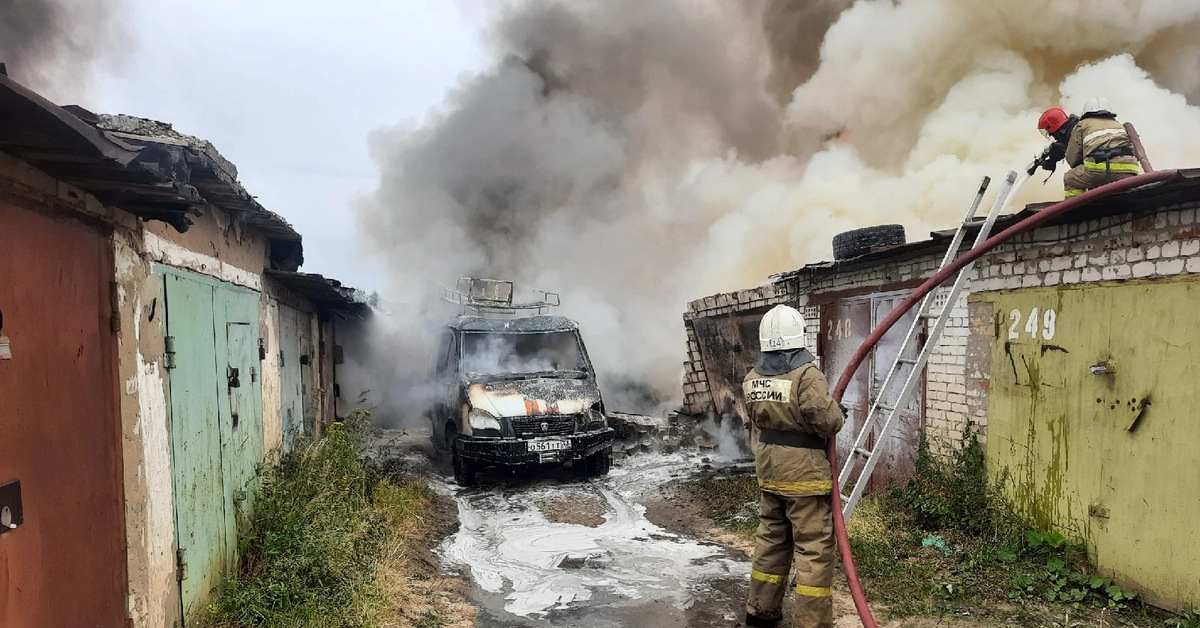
<point>839,523</point>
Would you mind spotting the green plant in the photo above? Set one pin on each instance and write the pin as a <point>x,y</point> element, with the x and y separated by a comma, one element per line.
<point>1056,581</point>
<point>951,492</point>
<point>1185,619</point>
<point>312,551</point>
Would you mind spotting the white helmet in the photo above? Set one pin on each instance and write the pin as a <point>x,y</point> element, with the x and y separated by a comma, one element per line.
<point>782,328</point>
<point>1095,105</point>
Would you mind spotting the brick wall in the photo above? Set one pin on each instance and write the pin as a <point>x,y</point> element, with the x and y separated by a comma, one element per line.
<point>697,397</point>
<point>1116,248</point>
<point>1164,243</point>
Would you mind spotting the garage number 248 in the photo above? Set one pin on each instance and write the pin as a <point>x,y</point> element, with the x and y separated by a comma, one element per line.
<point>1035,325</point>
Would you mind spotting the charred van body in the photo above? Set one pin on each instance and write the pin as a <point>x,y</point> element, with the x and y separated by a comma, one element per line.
<point>518,392</point>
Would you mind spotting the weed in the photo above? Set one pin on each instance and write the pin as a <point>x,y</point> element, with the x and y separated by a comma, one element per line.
<point>952,493</point>
<point>429,619</point>
<point>731,502</point>
<point>311,553</point>
<point>327,535</point>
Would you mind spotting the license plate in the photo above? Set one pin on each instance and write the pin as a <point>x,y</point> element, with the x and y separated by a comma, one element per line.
<point>551,444</point>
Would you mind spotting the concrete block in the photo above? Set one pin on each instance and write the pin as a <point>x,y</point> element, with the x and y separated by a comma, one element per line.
<point>1080,261</point>
<point>1193,265</point>
<point>1134,255</point>
<point>1116,257</point>
<point>1052,279</point>
<point>1188,248</point>
<point>1092,274</point>
<point>1171,249</point>
<point>1060,263</point>
<point>1098,260</point>
<point>1154,252</point>
<point>1169,267</point>
<point>1072,276</point>
<point>1031,281</point>
<point>1143,269</point>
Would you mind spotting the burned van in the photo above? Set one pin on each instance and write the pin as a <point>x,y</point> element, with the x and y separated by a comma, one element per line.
<point>518,392</point>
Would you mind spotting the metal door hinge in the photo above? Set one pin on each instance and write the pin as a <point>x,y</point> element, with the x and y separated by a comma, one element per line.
<point>180,565</point>
<point>114,302</point>
<point>169,351</point>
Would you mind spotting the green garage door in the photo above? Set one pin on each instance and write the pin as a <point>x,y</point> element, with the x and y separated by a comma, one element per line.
<point>216,422</point>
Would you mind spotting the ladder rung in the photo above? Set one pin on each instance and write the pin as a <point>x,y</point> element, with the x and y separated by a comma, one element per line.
<point>907,361</point>
<point>862,451</point>
<point>931,315</point>
<point>845,499</point>
<point>885,407</point>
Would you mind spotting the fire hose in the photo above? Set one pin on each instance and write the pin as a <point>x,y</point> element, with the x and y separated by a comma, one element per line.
<point>839,522</point>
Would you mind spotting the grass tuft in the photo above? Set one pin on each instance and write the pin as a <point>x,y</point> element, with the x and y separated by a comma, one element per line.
<point>325,530</point>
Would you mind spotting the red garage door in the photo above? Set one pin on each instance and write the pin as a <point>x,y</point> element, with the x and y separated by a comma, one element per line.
<point>59,428</point>
<point>845,324</point>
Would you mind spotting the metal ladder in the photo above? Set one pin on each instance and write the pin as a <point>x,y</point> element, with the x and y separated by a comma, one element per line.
<point>915,367</point>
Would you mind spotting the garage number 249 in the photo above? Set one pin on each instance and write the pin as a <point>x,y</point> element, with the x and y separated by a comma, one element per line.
<point>1045,325</point>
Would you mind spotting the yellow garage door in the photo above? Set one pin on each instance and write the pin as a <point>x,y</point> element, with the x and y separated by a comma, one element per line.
<point>1094,424</point>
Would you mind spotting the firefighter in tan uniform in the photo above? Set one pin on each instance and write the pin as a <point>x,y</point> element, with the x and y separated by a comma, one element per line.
<point>788,401</point>
<point>1095,145</point>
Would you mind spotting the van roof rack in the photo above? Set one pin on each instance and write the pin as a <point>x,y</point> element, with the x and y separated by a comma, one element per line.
<point>495,296</point>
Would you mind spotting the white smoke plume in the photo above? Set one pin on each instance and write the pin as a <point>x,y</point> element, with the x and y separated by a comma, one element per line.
<point>637,154</point>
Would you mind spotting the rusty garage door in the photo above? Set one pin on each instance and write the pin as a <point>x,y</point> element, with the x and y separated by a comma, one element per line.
<point>60,432</point>
<point>845,324</point>
<point>729,346</point>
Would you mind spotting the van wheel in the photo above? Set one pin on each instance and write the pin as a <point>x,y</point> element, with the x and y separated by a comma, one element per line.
<point>598,464</point>
<point>464,468</point>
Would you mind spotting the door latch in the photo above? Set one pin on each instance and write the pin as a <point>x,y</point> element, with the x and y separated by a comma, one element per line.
<point>234,377</point>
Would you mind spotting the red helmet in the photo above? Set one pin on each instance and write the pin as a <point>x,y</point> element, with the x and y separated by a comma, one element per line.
<point>1052,120</point>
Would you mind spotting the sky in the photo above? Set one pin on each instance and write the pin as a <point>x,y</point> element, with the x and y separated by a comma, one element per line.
<point>291,94</point>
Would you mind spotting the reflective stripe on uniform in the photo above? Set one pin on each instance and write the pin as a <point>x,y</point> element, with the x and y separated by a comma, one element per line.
<point>767,577</point>
<point>1072,192</point>
<point>1102,133</point>
<point>803,589</point>
<point>803,487</point>
<point>1110,166</point>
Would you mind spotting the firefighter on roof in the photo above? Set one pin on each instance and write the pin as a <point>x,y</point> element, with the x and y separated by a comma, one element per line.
<point>788,401</point>
<point>1095,145</point>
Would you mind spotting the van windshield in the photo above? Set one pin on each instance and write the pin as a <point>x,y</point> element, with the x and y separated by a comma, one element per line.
<point>521,355</point>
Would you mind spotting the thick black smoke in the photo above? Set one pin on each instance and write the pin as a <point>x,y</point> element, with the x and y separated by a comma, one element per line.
<point>566,166</point>
<point>52,45</point>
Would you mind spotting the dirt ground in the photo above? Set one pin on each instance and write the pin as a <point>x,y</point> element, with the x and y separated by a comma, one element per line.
<point>548,508</point>
<point>588,511</point>
<point>678,510</point>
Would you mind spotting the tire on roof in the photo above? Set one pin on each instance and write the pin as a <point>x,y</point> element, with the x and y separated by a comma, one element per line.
<point>862,241</point>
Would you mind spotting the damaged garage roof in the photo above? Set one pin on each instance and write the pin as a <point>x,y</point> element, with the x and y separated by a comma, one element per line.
<point>1185,188</point>
<point>139,165</point>
<point>329,295</point>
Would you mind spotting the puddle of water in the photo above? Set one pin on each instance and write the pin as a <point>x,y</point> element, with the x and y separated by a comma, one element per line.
<point>539,566</point>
